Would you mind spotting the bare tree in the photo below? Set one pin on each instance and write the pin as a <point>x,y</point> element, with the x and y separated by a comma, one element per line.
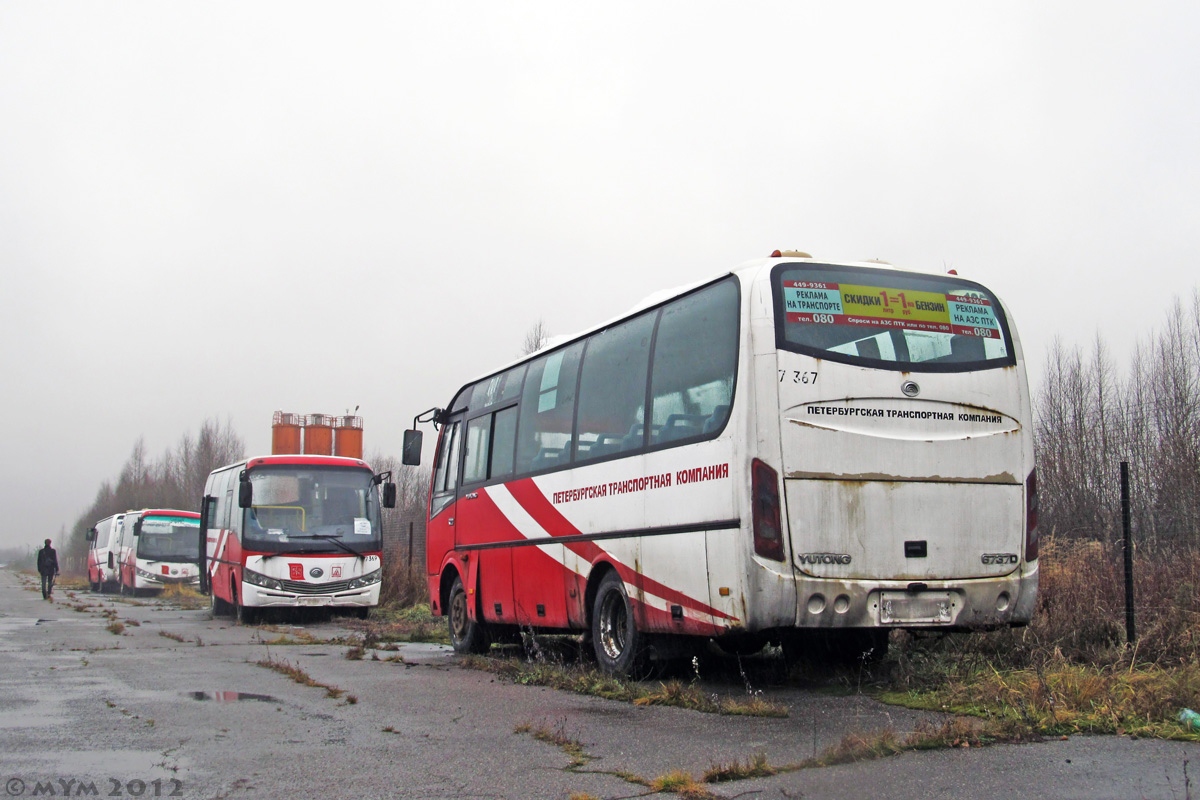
<point>535,338</point>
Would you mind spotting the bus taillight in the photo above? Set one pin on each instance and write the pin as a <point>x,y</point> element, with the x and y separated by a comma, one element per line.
<point>1031,517</point>
<point>768,533</point>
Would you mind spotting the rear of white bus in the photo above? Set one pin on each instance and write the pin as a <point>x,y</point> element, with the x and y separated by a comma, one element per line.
<point>905,449</point>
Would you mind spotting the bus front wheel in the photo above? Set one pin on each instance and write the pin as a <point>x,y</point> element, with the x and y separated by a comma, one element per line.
<point>619,645</point>
<point>244,615</point>
<point>219,607</point>
<point>466,635</point>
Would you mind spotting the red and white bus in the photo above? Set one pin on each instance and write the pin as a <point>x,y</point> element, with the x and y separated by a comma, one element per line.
<point>104,544</point>
<point>294,531</point>
<point>793,446</point>
<point>159,547</point>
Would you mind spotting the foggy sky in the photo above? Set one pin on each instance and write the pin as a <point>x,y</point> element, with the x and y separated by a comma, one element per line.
<point>217,210</point>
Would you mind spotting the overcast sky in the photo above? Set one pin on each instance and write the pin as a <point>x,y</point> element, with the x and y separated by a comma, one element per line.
<point>217,210</point>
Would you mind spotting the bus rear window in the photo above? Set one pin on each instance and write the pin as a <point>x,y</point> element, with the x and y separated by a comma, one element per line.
<point>889,319</point>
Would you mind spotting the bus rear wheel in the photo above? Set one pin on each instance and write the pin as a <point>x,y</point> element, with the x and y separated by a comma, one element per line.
<point>619,645</point>
<point>466,635</point>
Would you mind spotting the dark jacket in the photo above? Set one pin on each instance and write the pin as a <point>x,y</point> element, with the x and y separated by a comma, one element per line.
<point>47,561</point>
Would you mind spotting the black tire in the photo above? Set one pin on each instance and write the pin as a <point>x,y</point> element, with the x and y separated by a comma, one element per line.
<point>218,606</point>
<point>466,635</point>
<point>244,615</point>
<point>619,646</point>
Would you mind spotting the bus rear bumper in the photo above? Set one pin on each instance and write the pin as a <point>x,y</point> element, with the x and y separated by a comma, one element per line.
<point>960,605</point>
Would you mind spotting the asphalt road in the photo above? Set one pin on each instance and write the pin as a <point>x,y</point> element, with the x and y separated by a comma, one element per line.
<point>176,705</point>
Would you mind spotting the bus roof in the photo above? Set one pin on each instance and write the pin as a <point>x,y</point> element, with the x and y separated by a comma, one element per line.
<point>166,512</point>
<point>747,268</point>
<point>295,459</point>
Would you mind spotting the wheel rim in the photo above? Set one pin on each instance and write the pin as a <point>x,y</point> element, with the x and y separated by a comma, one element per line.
<point>458,616</point>
<point>614,619</point>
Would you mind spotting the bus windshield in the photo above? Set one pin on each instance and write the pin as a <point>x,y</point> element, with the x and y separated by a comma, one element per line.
<point>310,509</point>
<point>889,319</point>
<point>166,538</point>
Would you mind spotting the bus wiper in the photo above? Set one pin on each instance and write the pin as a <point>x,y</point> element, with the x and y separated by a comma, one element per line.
<point>286,552</point>
<point>335,540</point>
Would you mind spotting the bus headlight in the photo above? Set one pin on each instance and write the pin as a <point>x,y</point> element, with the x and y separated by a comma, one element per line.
<point>366,580</point>
<point>150,576</point>
<point>257,579</point>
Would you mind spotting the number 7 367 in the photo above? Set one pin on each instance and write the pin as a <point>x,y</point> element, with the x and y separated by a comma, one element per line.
<point>798,376</point>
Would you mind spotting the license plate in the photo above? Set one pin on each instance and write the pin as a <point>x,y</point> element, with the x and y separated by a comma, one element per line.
<point>313,601</point>
<point>912,607</point>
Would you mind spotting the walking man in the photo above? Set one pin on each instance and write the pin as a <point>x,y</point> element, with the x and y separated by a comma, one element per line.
<point>47,564</point>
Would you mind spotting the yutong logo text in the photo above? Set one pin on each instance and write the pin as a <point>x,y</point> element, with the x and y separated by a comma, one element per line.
<point>823,558</point>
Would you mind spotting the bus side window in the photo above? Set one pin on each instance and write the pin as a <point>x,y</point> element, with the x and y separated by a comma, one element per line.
<point>445,476</point>
<point>612,388</point>
<point>479,432</point>
<point>695,364</point>
<point>547,411</point>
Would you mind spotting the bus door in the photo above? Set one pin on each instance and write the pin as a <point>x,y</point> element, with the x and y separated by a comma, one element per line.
<point>439,533</point>
<point>481,524</point>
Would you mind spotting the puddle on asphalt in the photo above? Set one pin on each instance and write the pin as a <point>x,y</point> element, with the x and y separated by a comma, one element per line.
<point>231,697</point>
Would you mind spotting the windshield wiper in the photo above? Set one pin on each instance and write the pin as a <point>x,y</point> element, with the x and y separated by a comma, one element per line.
<point>335,540</point>
<point>286,552</point>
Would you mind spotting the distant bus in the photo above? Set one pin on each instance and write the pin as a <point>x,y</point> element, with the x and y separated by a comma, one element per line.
<point>160,547</point>
<point>294,531</point>
<point>795,452</point>
<point>104,543</point>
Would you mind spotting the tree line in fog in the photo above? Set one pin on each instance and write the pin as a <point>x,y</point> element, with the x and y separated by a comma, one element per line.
<point>1091,414</point>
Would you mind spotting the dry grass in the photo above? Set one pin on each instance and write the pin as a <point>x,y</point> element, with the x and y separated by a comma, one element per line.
<point>303,678</point>
<point>396,623</point>
<point>590,681</point>
<point>115,627</point>
<point>184,596</point>
<point>558,737</point>
<point>1071,670</point>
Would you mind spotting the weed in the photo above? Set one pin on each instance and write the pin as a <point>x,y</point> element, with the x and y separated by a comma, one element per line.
<point>133,623</point>
<point>682,784</point>
<point>558,737</point>
<point>755,767</point>
<point>172,636</point>
<point>184,596</point>
<point>355,653</point>
<point>300,676</point>
<point>115,627</point>
<point>592,682</point>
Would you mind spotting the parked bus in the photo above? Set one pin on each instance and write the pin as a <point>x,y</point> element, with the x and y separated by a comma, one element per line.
<point>792,447</point>
<point>104,541</point>
<point>159,547</point>
<point>294,531</point>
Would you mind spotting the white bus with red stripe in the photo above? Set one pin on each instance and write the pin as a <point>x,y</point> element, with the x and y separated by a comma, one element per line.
<point>795,446</point>
<point>160,547</point>
<point>293,531</point>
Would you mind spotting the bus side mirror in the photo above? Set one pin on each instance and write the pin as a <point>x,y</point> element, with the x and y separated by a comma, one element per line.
<point>137,528</point>
<point>411,455</point>
<point>91,535</point>
<point>245,494</point>
<point>389,495</point>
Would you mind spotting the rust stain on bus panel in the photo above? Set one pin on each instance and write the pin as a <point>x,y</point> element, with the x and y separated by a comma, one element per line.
<point>880,477</point>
